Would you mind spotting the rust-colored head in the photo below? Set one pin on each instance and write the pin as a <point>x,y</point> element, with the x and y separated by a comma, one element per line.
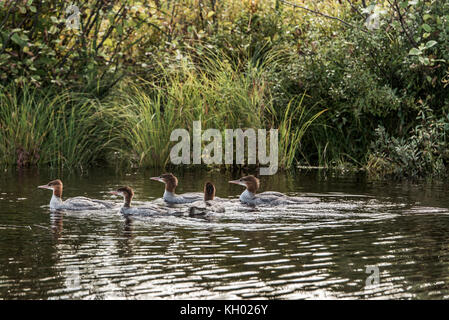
<point>250,182</point>
<point>209,191</point>
<point>126,192</point>
<point>55,185</point>
<point>169,179</point>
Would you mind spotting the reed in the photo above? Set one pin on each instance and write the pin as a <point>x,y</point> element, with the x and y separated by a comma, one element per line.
<point>217,94</point>
<point>144,126</point>
<point>220,93</point>
<point>293,124</point>
<point>51,127</point>
<point>132,126</point>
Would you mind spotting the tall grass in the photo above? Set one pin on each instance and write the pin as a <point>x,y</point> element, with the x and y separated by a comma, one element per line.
<point>219,93</point>
<point>133,124</point>
<point>293,125</point>
<point>145,122</point>
<point>51,127</point>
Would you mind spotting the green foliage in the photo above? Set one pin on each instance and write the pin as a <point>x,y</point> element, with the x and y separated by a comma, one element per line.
<point>217,94</point>
<point>37,47</point>
<point>368,78</point>
<point>293,125</point>
<point>422,153</point>
<point>50,127</point>
<point>231,64</point>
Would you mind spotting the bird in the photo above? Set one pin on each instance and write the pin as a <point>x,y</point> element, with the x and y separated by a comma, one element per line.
<point>76,203</point>
<point>208,205</point>
<point>148,209</point>
<point>171,182</point>
<point>273,198</point>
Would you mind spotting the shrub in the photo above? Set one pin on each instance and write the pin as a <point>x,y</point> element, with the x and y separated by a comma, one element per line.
<point>423,153</point>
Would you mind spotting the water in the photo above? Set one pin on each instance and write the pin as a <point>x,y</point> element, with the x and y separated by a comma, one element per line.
<point>324,250</point>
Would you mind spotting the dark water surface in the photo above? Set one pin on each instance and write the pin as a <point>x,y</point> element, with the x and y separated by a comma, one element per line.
<point>324,250</point>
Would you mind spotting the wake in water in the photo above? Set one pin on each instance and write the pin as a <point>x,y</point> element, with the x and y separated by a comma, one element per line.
<point>328,210</point>
<point>320,211</point>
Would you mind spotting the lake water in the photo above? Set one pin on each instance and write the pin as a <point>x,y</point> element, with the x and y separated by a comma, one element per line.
<point>361,240</point>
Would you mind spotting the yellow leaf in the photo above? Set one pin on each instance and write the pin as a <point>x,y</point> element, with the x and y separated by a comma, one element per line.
<point>108,43</point>
<point>210,14</point>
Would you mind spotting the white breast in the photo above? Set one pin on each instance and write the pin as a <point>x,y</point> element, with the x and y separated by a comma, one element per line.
<point>55,202</point>
<point>247,197</point>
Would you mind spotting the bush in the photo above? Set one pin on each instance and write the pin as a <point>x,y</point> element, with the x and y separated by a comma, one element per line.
<point>241,64</point>
<point>37,47</point>
<point>423,153</point>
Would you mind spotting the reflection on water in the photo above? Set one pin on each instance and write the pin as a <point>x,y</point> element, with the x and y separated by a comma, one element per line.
<point>325,249</point>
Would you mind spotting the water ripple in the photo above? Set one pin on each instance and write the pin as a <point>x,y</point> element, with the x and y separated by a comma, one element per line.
<point>315,250</point>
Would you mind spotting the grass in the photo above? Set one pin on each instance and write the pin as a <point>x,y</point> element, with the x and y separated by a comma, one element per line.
<point>292,127</point>
<point>217,94</point>
<point>132,126</point>
<point>51,127</point>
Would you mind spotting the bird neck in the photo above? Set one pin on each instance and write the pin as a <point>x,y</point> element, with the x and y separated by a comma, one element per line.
<point>57,191</point>
<point>127,202</point>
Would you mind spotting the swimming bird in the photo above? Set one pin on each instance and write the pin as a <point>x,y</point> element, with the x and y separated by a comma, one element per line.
<point>209,205</point>
<point>171,183</point>
<point>127,193</point>
<point>265,198</point>
<point>76,203</point>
